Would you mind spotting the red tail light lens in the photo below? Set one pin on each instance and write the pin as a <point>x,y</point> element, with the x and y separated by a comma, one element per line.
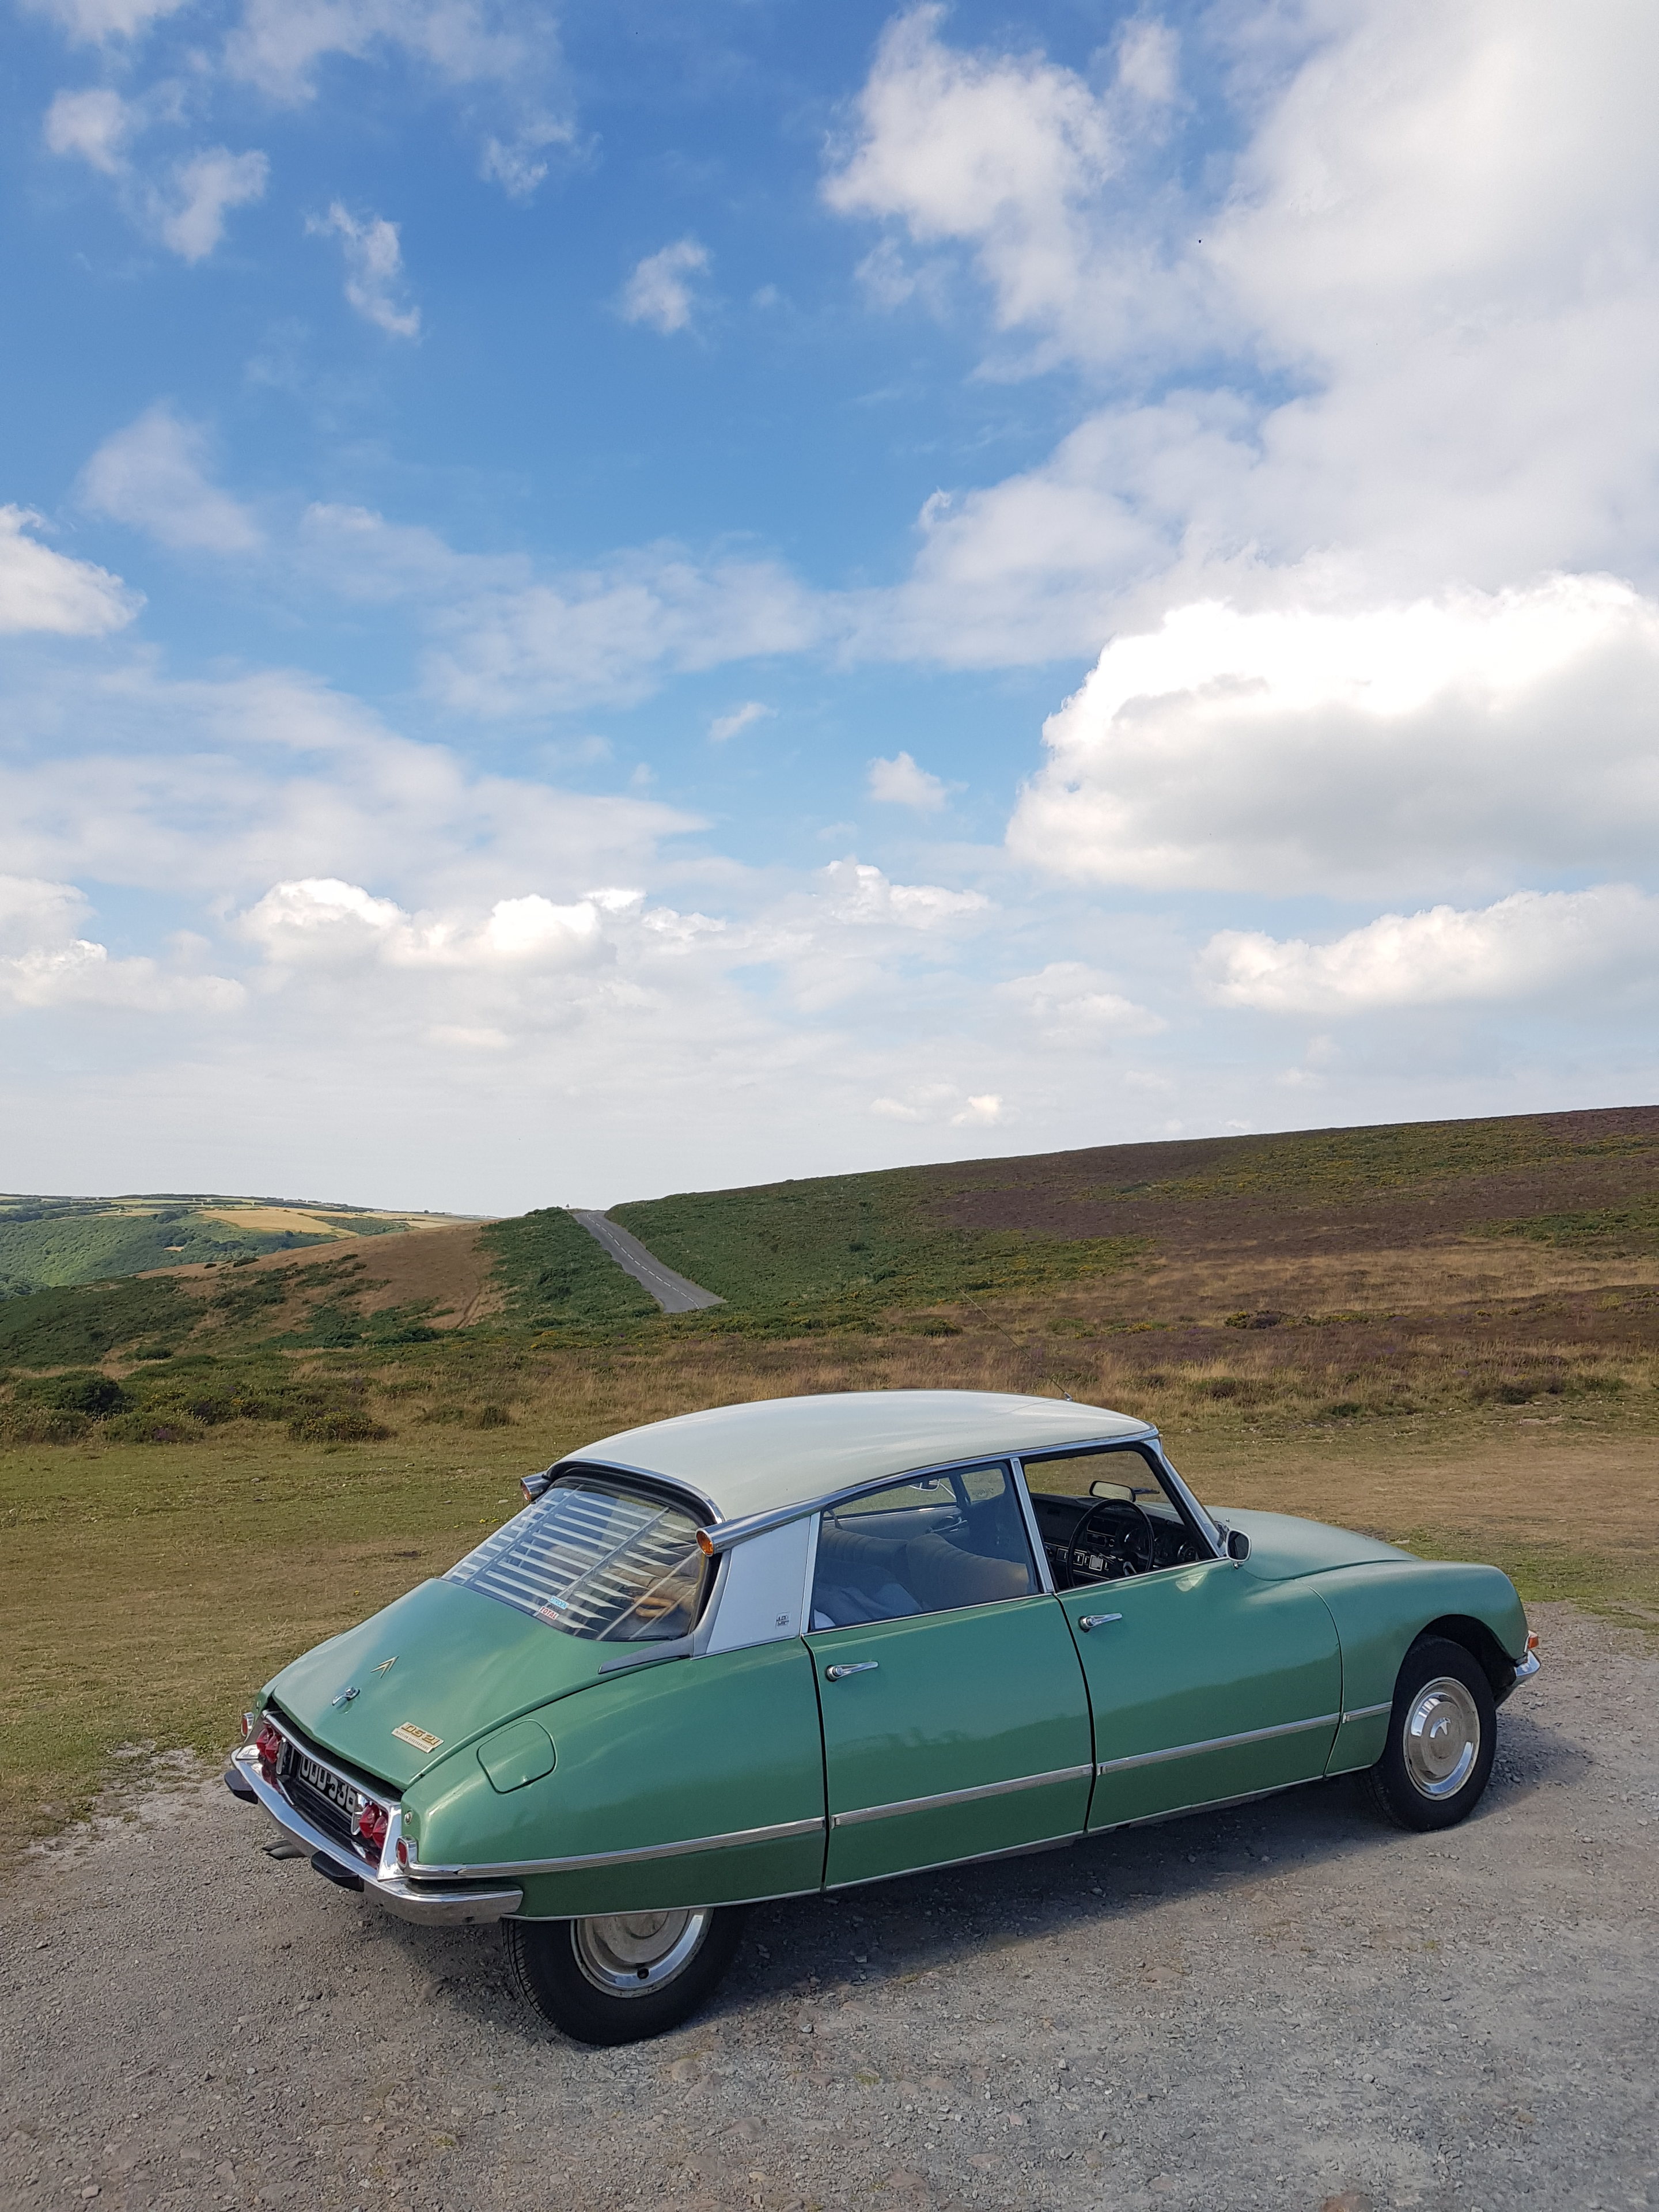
<point>371,1823</point>
<point>269,1745</point>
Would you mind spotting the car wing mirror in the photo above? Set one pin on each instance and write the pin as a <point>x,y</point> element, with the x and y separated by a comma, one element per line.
<point>1238,1544</point>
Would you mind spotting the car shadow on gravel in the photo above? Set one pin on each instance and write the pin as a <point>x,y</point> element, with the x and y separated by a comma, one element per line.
<point>896,1931</point>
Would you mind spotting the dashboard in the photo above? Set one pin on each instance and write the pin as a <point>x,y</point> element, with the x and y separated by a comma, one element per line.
<point>1099,1539</point>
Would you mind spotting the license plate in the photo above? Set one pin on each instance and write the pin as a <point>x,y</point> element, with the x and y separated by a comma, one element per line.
<point>326,1785</point>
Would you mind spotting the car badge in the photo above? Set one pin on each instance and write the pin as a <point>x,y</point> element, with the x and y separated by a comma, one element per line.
<point>386,1663</point>
<point>422,1740</point>
<point>346,1695</point>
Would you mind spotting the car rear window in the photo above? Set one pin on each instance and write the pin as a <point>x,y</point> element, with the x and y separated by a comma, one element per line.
<point>595,1559</point>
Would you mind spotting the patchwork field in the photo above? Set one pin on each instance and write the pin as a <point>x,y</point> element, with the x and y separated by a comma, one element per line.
<point>1448,1335</point>
<point>45,1243</point>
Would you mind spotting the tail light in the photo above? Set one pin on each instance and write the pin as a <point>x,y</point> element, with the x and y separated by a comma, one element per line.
<point>268,1743</point>
<point>1532,1639</point>
<point>370,1821</point>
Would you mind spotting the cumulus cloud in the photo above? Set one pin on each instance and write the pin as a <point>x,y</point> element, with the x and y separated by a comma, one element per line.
<point>152,475</point>
<point>44,590</point>
<point>612,634</point>
<point>859,893</point>
<point>1446,740</point>
<point>660,292</point>
<point>375,269</point>
<point>45,962</point>
<point>725,726</point>
<point>191,215</point>
<point>1399,340</point>
<point>1526,945</point>
<point>1001,152</point>
<point>95,124</point>
<point>900,782</point>
<point>1070,1003</point>
<point>942,1102</point>
<point>325,919</point>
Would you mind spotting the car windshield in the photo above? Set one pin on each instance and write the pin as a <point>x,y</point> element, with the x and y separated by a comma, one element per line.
<point>595,1559</point>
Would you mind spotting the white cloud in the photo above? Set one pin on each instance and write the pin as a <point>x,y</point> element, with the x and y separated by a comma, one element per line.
<point>1449,740</point>
<point>375,269</point>
<point>1399,341</point>
<point>151,476</point>
<point>45,962</point>
<point>191,215</point>
<point>1526,945</point>
<point>658,291</point>
<point>1072,1004</point>
<point>41,590</point>
<point>95,124</point>
<point>612,634</point>
<point>1002,151</point>
<point>93,22</point>
<point>329,921</point>
<point>941,1103</point>
<point>725,726</point>
<point>861,894</point>
<point>1148,61</point>
<point>900,782</point>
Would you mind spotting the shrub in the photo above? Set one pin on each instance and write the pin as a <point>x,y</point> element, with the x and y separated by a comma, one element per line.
<point>337,1426</point>
<point>88,1393</point>
<point>492,1416</point>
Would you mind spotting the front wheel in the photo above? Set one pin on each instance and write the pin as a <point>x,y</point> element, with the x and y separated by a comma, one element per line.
<point>1443,1732</point>
<point>621,1977</point>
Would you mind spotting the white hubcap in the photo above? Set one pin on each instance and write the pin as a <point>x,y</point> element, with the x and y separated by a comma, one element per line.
<point>1442,1737</point>
<point>628,1954</point>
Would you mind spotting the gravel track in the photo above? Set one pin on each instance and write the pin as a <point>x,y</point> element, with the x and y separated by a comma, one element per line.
<point>1287,2006</point>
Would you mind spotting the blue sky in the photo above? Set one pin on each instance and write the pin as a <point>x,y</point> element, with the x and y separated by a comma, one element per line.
<point>608,599</point>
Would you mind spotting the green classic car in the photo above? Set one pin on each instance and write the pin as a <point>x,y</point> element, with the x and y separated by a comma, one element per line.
<point>774,1649</point>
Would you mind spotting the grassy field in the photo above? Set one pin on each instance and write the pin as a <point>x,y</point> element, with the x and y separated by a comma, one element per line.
<point>1449,1337</point>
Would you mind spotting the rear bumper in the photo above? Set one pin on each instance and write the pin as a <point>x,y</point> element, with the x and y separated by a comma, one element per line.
<point>1525,1667</point>
<point>441,1904</point>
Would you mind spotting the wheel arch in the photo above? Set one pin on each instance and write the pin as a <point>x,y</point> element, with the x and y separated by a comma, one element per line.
<point>1479,1641</point>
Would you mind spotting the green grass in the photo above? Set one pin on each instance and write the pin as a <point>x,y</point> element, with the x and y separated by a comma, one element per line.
<point>1613,1229</point>
<point>557,1276</point>
<point>70,1244</point>
<point>840,1251</point>
<point>59,1328</point>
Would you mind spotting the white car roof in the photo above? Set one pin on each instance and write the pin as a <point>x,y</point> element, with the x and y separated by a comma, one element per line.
<point>774,1453</point>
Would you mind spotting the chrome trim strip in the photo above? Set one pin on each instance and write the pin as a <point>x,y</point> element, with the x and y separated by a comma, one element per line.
<point>776,1832</point>
<point>958,1796</point>
<point>1215,1743</point>
<point>723,1533</point>
<point>1033,1527</point>
<point>1368,1713</point>
<point>426,1902</point>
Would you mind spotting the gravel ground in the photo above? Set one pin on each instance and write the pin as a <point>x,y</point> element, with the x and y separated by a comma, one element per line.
<point>1285,2006</point>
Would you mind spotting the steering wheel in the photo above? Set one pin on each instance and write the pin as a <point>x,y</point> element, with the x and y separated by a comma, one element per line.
<point>1133,1545</point>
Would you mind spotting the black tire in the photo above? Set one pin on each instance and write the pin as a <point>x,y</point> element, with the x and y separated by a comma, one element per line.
<point>586,1977</point>
<point>1443,1732</point>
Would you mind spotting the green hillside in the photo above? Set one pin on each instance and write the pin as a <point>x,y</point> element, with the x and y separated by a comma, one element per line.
<point>48,1243</point>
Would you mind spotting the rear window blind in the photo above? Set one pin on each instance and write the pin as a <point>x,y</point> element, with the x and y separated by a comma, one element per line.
<point>610,1563</point>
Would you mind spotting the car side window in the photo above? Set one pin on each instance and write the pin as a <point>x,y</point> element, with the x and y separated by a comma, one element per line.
<point>930,1544</point>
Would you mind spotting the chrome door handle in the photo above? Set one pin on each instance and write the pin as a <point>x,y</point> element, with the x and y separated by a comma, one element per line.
<point>853,1666</point>
<point>1096,1620</point>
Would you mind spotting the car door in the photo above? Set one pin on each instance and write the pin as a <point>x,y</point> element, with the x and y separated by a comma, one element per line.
<point>956,1721</point>
<point>1206,1680</point>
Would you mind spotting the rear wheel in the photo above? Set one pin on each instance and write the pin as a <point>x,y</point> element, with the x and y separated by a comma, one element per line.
<point>1443,1733</point>
<point>621,1977</point>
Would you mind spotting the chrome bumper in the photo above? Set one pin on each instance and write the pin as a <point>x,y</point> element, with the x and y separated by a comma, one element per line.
<point>435,1904</point>
<point>1526,1668</point>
